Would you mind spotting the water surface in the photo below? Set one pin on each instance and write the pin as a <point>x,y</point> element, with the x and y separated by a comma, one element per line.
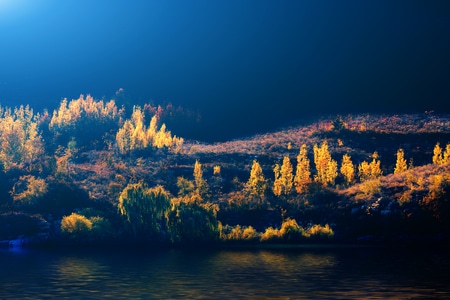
<point>299,273</point>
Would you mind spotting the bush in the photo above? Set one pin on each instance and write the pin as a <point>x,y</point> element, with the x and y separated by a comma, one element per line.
<point>244,233</point>
<point>76,226</point>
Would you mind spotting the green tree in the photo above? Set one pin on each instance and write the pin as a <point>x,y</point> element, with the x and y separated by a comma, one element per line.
<point>145,208</point>
<point>191,222</point>
<point>302,174</point>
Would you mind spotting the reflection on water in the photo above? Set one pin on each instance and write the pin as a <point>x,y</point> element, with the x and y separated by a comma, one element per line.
<point>301,273</point>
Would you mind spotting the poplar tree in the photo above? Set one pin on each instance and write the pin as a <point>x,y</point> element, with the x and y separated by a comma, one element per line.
<point>302,173</point>
<point>440,156</point>
<point>400,164</point>
<point>370,170</point>
<point>283,177</point>
<point>200,183</point>
<point>437,155</point>
<point>277,182</point>
<point>257,184</point>
<point>347,169</point>
<point>326,167</point>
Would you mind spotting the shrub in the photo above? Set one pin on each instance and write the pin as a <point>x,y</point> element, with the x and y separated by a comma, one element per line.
<point>246,233</point>
<point>319,231</point>
<point>76,226</point>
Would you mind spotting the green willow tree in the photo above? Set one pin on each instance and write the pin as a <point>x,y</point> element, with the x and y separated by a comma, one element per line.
<point>192,222</point>
<point>145,209</point>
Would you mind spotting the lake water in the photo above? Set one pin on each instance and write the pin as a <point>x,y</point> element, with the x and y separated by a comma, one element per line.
<point>297,273</point>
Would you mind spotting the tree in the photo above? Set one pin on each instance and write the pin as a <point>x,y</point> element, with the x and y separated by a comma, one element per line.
<point>201,186</point>
<point>400,165</point>
<point>302,173</point>
<point>185,186</point>
<point>29,189</point>
<point>257,184</point>
<point>92,118</point>
<point>283,178</point>
<point>145,208</point>
<point>372,170</point>
<point>20,141</point>
<point>437,155</point>
<point>277,189</point>
<point>347,169</point>
<point>134,135</point>
<point>192,222</point>
<point>440,156</point>
<point>326,167</point>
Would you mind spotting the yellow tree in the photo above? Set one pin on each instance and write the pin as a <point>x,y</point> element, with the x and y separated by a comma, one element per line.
<point>124,137</point>
<point>400,165</point>
<point>440,156</point>
<point>20,141</point>
<point>370,170</point>
<point>200,183</point>
<point>277,189</point>
<point>257,184</point>
<point>447,154</point>
<point>326,167</point>
<point>302,173</point>
<point>348,169</point>
<point>283,178</point>
<point>437,155</point>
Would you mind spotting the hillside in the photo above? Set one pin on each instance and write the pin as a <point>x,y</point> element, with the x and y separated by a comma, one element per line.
<point>94,173</point>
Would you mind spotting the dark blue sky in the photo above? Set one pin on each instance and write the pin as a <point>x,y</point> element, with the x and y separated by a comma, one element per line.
<point>246,66</point>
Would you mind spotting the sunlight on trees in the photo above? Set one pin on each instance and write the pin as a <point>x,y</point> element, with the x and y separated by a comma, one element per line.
<point>185,186</point>
<point>256,184</point>
<point>134,135</point>
<point>28,189</point>
<point>145,208</point>
<point>326,167</point>
<point>348,169</point>
<point>400,164</point>
<point>20,141</point>
<point>302,173</point>
<point>201,186</point>
<point>242,233</point>
<point>92,118</point>
<point>284,179</point>
<point>440,156</point>
<point>75,224</point>
<point>369,171</point>
<point>216,170</point>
